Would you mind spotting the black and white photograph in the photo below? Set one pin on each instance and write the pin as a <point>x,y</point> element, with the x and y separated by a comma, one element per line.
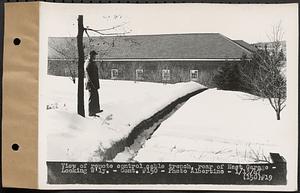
<point>169,94</point>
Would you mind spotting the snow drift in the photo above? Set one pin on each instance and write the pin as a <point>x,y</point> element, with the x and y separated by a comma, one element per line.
<point>71,137</point>
<point>218,126</point>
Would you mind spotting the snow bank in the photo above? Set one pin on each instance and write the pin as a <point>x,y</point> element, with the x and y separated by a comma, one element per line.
<point>218,126</point>
<point>71,137</point>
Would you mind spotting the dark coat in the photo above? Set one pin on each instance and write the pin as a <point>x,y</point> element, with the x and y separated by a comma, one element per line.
<point>92,76</point>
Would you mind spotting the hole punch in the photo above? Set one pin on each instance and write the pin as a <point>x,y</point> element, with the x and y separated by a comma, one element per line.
<point>17,41</point>
<point>15,147</point>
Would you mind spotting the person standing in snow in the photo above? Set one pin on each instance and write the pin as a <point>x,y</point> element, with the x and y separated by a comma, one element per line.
<point>92,84</point>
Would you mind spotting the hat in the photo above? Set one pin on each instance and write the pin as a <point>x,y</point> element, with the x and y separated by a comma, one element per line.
<point>93,52</point>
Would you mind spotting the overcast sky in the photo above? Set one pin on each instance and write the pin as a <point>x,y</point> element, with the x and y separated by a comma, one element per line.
<point>247,22</point>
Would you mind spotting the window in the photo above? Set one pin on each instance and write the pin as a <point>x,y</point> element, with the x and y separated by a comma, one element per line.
<point>166,74</point>
<point>139,74</point>
<point>194,74</point>
<point>114,73</point>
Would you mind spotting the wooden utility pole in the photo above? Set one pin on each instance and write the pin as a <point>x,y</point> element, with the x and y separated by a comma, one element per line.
<point>80,92</point>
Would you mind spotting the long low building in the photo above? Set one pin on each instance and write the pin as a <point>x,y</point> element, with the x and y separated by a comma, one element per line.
<point>167,58</point>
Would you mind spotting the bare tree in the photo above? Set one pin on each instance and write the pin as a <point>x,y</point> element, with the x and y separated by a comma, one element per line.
<point>66,50</point>
<point>263,75</point>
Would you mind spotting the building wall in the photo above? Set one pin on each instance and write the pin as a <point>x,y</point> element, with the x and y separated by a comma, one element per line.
<point>152,70</point>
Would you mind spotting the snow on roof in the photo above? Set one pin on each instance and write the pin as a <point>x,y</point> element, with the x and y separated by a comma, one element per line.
<point>163,46</point>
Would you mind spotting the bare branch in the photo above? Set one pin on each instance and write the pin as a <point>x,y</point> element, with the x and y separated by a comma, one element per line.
<point>108,34</point>
<point>283,106</point>
<point>63,52</point>
<point>271,102</point>
<point>263,75</point>
<point>111,28</point>
<point>282,101</point>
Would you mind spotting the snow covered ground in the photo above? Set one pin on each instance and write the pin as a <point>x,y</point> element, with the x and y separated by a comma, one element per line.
<point>213,126</point>
<point>71,137</point>
<point>219,126</point>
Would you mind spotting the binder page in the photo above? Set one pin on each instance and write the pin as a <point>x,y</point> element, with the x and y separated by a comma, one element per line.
<point>168,96</point>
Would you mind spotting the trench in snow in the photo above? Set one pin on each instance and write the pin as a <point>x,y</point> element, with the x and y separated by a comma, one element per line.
<point>126,149</point>
<point>130,152</point>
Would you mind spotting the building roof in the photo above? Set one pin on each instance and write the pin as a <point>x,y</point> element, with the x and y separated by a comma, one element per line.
<point>163,46</point>
<point>246,45</point>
